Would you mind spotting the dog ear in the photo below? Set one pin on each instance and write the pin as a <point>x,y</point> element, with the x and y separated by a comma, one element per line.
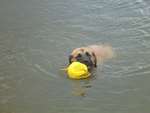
<point>70,58</point>
<point>95,60</point>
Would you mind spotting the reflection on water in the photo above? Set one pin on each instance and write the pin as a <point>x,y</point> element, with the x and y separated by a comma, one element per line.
<point>78,90</point>
<point>36,38</point>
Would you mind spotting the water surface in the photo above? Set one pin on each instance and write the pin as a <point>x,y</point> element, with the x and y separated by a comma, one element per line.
<point>36,37</point>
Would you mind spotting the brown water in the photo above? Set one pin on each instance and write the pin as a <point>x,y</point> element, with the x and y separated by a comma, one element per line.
<point>36,37</point>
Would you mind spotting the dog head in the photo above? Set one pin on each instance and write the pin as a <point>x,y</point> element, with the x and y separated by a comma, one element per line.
<point>84,55</point>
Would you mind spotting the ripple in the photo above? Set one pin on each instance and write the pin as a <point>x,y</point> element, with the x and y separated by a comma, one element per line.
<point>124,91</point>
<point>140,70</point>
<point>2,78</point>
<point>6,99</point>
<point>44,71</point>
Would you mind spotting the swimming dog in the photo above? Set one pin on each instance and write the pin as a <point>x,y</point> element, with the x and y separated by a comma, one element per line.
<point>91,55</point>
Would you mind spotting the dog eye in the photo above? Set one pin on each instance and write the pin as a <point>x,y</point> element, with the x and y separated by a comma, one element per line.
<point>87,54</point>
<point>79,55</point>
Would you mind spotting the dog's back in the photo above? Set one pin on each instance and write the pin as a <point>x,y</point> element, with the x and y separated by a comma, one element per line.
<point>102,52</point>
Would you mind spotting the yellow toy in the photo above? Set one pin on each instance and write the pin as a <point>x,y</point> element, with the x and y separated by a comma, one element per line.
<point>77,70</point>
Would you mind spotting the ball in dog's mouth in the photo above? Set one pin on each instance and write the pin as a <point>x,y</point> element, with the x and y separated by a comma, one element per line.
<point>77,70</point>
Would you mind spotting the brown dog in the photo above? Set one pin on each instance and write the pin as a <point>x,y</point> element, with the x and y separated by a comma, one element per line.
<point>91,55</point>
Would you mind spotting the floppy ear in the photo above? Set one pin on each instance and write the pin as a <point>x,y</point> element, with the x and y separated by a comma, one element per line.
<point>95,60</point>
<point>70,58</point>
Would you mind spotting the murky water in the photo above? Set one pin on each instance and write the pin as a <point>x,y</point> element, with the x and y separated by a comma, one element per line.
<point>36,37</point>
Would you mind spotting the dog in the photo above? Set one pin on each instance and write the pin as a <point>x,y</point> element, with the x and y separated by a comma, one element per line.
<point>91,55</point>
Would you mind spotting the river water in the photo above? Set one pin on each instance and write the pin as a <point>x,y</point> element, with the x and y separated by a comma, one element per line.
<point>36,37</point>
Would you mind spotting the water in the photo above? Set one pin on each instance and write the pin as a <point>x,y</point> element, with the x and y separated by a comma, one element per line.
<point>36,37</point>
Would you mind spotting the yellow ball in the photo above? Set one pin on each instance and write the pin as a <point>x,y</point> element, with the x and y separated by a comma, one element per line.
<point>77,70</point>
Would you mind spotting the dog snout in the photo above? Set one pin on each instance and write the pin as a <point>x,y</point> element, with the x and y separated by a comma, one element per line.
<point>84,58</point>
